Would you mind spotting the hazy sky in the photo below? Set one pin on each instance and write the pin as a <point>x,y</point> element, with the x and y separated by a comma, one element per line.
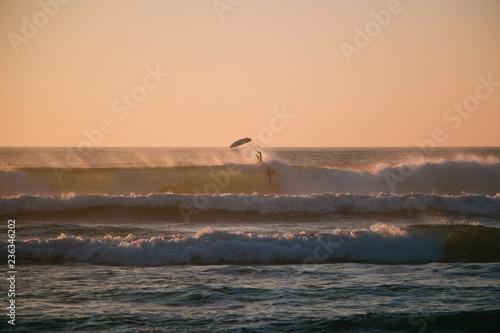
<point>352,73</point>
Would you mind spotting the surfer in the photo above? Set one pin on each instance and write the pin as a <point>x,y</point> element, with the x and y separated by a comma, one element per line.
<point>270,173</point>
<point>259,156</point>
<point>237,143</point>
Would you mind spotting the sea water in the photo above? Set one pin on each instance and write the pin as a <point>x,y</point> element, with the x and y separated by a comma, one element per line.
<point>197,239</point>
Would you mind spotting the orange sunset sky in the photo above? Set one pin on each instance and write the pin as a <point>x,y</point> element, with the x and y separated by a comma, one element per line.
<point>353,73</point>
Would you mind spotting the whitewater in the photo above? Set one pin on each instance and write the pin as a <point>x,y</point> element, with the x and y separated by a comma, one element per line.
<point>370,239</point>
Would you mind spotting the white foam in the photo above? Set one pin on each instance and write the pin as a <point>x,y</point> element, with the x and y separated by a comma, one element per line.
<point>439,177</point>
<point>274,204</point>
<point>379,243</point>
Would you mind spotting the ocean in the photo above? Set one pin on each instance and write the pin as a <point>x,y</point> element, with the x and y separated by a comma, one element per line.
<point>205,240</point>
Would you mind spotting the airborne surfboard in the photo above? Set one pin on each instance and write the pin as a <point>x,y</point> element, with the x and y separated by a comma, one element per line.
<point>240,142</point>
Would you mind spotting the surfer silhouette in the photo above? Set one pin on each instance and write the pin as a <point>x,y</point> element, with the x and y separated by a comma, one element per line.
<point>270,173</point>
<point>246,140</point>
<point>259,156</point>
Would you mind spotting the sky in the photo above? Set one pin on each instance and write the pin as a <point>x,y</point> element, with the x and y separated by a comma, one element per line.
<point>288,73</point>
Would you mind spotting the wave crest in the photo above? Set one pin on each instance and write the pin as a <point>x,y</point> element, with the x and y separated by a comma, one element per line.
<point>380,243</point>
<point>263,204</point>
<point>451,177</point>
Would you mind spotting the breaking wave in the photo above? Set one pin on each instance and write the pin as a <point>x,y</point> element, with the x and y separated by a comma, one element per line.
<point>263,204</point>
<point>447,177</point>
<point>379,243</point>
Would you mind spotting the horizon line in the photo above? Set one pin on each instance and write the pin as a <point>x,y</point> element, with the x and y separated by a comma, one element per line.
<point>107,147</point>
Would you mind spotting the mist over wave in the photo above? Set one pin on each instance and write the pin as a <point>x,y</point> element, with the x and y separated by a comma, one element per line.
<point>445,177</point>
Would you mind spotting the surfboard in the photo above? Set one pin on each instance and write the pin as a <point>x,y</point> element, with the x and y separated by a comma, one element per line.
<point>240,142</point>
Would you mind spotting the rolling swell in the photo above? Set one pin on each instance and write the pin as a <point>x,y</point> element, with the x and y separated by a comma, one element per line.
<point>380,243</point>
<point>451,177</point>
<point>483,205</point>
